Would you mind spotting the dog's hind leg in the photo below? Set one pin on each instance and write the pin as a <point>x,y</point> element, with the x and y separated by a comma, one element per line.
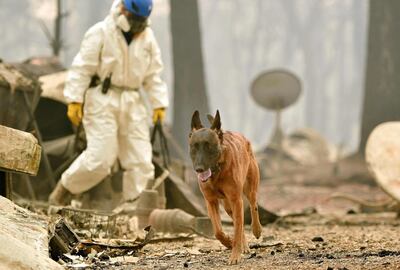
<point>213,213</point>
<point>250,190</point>
<point>255,219</point>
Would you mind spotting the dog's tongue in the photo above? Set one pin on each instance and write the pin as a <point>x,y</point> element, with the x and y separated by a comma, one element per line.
<point>203,176</point>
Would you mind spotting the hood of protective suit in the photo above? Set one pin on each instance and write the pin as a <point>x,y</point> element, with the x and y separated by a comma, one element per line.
<point>115,5</point>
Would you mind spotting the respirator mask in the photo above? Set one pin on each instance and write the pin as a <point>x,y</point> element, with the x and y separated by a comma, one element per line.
<point>133,24</point>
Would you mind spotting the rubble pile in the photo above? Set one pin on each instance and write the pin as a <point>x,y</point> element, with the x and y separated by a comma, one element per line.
<point>26,238</point>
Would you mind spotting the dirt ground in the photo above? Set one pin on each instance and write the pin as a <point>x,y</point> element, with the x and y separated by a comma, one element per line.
<point>336,236</point>
<point>353,241</point>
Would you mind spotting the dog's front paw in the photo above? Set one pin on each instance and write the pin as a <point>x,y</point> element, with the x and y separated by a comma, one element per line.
<point>245,248</point>
<point>245,245</point>
<point>235,258</point>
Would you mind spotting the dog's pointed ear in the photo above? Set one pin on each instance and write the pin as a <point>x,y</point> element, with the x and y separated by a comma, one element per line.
<point>216,124</point>
<point>196,122</point>
<point>210,119</point>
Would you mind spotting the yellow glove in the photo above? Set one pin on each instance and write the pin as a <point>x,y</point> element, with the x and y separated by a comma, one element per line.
<point>158,113</point>
<point>75,113</point>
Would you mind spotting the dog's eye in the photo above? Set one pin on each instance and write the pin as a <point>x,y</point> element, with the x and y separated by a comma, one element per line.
<point>207,146</point>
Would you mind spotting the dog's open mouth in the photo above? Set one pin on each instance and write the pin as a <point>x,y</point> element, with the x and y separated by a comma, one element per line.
<point>203,176</point>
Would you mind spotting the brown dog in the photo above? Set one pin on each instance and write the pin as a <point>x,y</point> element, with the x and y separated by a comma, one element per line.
<point>226,168</point>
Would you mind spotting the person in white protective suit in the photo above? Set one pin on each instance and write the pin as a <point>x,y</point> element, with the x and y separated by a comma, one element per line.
<point>123,53</point>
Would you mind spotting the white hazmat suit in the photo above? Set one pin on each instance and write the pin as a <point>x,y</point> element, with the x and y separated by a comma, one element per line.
<point>116,123</point>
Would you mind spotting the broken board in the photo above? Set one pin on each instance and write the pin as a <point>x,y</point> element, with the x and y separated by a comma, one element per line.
<point>19,151</point>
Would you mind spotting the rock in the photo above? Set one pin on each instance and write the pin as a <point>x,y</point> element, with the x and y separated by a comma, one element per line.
<point>330,256</point>
<point>308,147</point>
<point>382,154</point>
<point>317,239</point>
<point>252,255</point>
<point>303,147</point>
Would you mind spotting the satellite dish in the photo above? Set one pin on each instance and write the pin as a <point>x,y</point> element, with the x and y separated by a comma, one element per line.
<point>276,90</point>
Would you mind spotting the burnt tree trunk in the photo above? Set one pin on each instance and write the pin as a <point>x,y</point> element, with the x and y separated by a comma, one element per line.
<point>189,85</point>
<point>3,184</point>
<point>382,87</point>
<point>57,42</point>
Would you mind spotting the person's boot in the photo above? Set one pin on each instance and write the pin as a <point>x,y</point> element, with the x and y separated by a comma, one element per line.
<point>60,195</point>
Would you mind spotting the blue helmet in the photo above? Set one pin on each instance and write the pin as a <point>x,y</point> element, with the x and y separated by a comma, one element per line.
<point>141,8</point>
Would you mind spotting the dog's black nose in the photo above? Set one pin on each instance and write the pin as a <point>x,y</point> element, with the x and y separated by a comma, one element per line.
<point>199,170</point>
